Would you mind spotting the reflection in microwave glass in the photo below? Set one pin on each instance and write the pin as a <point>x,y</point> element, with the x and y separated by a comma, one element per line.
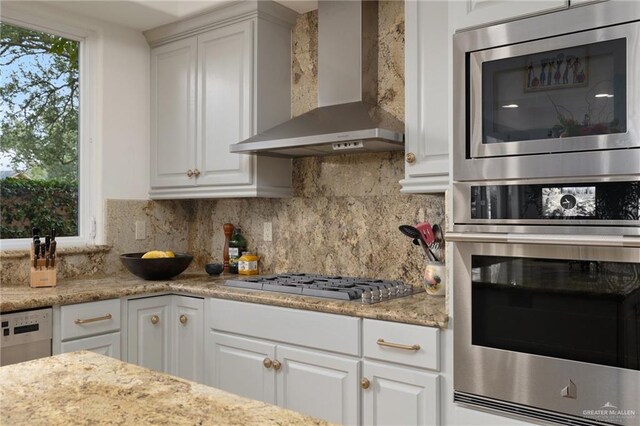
<point>575,201</point>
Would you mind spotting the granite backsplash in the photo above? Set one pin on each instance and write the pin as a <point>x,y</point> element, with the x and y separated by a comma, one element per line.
<point>342,219</point>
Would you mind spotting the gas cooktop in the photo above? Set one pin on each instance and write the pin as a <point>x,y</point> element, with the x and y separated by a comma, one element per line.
<point>327,286</point>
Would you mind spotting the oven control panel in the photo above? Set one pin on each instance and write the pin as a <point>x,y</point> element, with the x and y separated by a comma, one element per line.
<point>26,326</point>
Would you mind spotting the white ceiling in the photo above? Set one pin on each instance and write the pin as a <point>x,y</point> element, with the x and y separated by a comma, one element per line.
<point>145,14</point>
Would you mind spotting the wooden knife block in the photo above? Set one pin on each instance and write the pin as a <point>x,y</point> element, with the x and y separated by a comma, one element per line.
<point>42,276</point>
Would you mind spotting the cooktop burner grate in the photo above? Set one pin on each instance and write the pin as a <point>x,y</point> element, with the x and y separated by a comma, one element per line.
<point>327,286</point>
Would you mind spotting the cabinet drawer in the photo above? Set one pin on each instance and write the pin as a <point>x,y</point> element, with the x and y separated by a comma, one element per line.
<point>108,344</point>
<point>401,343</point>
<point>87,319</point>
<point>328,332</point>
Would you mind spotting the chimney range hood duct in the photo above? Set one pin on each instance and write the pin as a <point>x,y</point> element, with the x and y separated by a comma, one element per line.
<point>348,118</point>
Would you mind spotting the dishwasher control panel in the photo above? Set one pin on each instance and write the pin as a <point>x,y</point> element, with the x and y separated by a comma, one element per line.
<point>26,326</point>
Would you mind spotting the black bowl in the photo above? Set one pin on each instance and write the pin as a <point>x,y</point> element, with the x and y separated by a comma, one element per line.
<point>214,268</point>
<point>156,269</point>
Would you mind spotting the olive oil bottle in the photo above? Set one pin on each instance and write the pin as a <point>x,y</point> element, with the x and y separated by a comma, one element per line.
<point>237,245</point>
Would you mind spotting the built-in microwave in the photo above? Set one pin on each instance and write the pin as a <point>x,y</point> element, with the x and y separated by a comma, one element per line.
<point>549,97</point>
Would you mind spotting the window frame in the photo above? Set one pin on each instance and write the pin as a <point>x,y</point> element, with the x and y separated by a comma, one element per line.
<point>89,195</point>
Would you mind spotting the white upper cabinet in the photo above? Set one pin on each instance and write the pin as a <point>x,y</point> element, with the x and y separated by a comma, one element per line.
<point>217,79</point>
<point>427,61</point>
<point>477,13</point>
<point>224,97</point>
<point>173,109</point>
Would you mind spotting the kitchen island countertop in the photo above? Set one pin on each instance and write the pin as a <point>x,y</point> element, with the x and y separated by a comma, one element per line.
<point>88,388</point>
<point>419,309</point>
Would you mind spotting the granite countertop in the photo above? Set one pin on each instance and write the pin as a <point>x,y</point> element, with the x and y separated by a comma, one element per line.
<point>88,388</point>
<point>420,309</point>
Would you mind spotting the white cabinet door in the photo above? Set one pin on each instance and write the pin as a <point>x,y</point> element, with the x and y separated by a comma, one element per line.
<point>187,323</point>
<point>427,56</point>
<point>225,92</point>
<point>476,13</point>
<point>237,365</point>
<point>173,113</point>
<point>148,332</point>
<point>399,396</point>
<point>107,344</point>
<point>321,385</point>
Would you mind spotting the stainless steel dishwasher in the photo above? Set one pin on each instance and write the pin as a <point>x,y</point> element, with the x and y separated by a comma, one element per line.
<point>25,336</point>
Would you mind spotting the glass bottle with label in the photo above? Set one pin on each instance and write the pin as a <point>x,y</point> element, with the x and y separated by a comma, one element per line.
<point>237,245</point>
<point>248,264</point>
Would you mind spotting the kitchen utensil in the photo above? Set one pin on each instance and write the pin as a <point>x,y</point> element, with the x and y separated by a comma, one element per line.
<point>437,233</point>
<point>52,250</point>
<point>214,268</point>
<point>426,231</point>
<point>158,268</point>
<point>412,232</point>
<point>36,251</point>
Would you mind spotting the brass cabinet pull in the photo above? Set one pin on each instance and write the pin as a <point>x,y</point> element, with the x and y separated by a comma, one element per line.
<point>410,157</point>
<point>196,172</point>
<point>190,173</point>
<point>267,363</point>
<point>381,342</point>
<point>276,365</point>
<point>155,319</point>
<point>183,319</point>
<point>364,383</point>
<point>89,320</point>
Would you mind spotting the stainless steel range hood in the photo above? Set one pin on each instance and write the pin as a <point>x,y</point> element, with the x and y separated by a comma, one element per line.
<point>348,118</point>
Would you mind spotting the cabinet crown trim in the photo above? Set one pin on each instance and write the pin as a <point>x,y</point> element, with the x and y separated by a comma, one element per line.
<point>220,16</point>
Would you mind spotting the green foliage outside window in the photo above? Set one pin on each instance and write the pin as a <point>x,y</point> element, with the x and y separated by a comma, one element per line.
<point>46,204</point>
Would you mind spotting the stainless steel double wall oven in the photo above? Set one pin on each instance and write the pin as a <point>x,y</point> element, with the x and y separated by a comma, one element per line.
<point>546,216</point>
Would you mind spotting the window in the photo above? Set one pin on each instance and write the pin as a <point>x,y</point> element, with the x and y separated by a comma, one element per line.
<point>40,140</point>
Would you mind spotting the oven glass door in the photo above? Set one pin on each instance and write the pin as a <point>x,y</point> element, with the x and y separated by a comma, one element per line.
<point>573,309</point>
<point>567,93</point>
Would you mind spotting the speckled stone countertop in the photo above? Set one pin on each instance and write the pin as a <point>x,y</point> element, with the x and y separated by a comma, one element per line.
<point>88,388</point>
<point>419,309</point>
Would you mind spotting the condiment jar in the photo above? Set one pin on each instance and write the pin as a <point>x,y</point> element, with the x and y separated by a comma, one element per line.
<point>248,264</point>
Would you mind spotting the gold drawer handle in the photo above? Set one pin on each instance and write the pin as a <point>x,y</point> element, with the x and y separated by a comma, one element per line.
<point>364,383</point>
<point>89,320</point>
<point>381,342</point>
<point>155,319</point>
<point>190,173</point>
<point>183,319</point>
<point>276,365</point>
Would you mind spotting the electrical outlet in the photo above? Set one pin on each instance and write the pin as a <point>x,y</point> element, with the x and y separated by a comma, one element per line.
<point>267,234</point>
<point>141,230</point>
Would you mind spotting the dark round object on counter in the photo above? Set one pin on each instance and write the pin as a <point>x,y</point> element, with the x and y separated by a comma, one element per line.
<point>156,269</point>
<point>214,268</point>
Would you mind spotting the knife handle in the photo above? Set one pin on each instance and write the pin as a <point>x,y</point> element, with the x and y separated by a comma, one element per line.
<point>52,252</point>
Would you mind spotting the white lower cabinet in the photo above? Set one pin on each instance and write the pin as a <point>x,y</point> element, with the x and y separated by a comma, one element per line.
<point>239,365</point>
<point>318,384</point>
<point>91,326</point>
<point>398,395</point>
<point>308,362</point>
<point>400,371</point>
<point>165,334</point>
<point>108,344</point>
<point>307,381</point>
<point>148,332</point>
